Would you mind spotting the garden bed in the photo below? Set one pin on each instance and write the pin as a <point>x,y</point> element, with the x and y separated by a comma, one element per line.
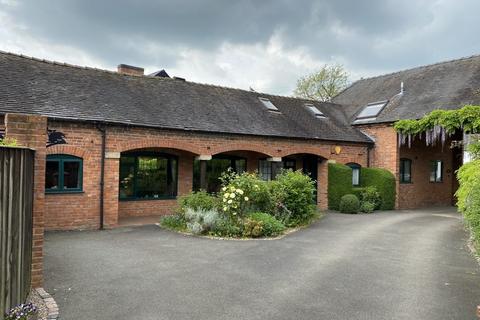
<point>247,207</point>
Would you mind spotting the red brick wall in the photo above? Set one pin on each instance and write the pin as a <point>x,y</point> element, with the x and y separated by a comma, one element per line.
<point>385,153</point>
<point>421,192</point>
<point>82,210</point>
<point>31,131</point>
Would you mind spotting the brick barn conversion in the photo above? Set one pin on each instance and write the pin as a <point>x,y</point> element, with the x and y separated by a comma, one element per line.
<point>113,145</point>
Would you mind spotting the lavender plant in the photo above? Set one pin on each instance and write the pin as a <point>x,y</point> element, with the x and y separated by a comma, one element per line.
<point>21,312</point>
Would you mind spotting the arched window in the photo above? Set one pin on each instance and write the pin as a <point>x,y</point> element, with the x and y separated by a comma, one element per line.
<point>405,170</point>
<point>148,175</point>
<point>64,173</point>
<point>355,173</point>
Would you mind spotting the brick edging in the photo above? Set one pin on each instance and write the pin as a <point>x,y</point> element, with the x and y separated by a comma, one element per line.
<point>52,306</point>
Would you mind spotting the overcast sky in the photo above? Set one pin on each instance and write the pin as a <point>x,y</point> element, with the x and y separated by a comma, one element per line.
<point>263,44</point>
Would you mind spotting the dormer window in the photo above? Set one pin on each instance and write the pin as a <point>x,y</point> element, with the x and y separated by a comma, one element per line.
<point>314,110</point>
<point>371,111</point>
<point>268,104</point>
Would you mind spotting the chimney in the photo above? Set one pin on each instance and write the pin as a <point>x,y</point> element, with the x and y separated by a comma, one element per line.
<point>130,70</point>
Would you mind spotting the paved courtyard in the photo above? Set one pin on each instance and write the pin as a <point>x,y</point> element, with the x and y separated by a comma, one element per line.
<point>392,265</point>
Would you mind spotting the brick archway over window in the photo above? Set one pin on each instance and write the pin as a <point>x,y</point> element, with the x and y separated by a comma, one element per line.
<point>70,150</point>
<point>243,146</point>
<point>303,150</point>
<point>164,144</point>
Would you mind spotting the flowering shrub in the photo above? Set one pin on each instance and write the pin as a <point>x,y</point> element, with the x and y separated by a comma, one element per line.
<point>234,200</point>
<point>21,312</point>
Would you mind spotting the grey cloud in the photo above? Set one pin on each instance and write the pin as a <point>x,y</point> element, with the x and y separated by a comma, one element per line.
<point>369,36</point>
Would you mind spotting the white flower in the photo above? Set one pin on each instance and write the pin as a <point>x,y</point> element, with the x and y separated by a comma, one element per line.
<point>225,208</point>
<point>239,191</point>
<point>232,188</point>
<point>246,198</point>
<point>229,201</point>
<point>234,213</point>
<point>226,195</point>
<point>232,195</point>
<point>224,189</point>
<point>224,199</point>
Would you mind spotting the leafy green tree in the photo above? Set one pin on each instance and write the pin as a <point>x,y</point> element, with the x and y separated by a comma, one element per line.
<point>323,84</point>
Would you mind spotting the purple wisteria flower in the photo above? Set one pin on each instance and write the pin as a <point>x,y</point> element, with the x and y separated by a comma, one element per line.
<point>21,312</point>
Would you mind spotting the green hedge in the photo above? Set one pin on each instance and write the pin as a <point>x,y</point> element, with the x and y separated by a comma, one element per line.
<point>384,181</point>
<point>340,184</point>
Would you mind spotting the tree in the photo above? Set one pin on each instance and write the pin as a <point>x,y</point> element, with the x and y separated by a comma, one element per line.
<point>323,84</point>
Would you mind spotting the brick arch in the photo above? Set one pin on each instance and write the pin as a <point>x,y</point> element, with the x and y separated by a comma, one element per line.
<point>161,143</point>
<point>243,146</point>
<point>70,150</point>
<point>304,150</point>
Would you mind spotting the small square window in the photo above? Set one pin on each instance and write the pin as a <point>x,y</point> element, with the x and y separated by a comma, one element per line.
<point>371,111</point>
<point>268,104</point>
<point>314,110</point>
<point>63,173</point>
<point>436,171</point>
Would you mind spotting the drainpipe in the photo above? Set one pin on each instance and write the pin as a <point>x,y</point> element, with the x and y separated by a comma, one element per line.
<point>369,148</point>
<point>103,133</point>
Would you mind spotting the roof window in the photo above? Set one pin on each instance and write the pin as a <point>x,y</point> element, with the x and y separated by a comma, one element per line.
<point>314,110</point>
<point>268,104</point>
<point>371,111</point>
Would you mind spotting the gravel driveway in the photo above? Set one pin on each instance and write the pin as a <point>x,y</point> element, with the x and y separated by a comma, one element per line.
<point>391,265</point>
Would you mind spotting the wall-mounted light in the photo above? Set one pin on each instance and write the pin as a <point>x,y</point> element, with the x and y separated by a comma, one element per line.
<point>336,150</point>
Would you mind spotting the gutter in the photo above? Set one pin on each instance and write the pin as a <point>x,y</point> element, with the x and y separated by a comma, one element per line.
<point>103,132</point>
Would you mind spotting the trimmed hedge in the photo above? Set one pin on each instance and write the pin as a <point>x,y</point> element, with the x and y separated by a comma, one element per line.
<point>340,184</point>
<point>384,181</point>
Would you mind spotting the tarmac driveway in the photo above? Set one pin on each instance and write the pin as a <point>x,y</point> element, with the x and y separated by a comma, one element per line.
<point>392,265</point>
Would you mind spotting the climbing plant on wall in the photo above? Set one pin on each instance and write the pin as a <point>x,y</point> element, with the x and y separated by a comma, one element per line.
<point>437,126</point>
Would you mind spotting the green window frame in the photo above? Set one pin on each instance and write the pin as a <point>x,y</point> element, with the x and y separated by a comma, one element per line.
<point>356,168</point>
<point>405,171</point>
<point>136,183</point>
<point>62,171</point>
<point>436,171</point>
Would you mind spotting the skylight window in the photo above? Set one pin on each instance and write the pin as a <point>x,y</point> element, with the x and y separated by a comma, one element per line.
<point>317,113</point>
<point>268,104</point>
<point>371,111</point>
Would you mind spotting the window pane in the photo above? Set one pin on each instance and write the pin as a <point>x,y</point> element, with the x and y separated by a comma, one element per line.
<point>265,170</point>
<point>436,171</point>
<point>71,172</point>
<point>151,179</point>
<point>127,173</point>
<point>405,170</point>
<point>371,110</point>
<point>52,174</point>
<point>355,176</point>
<point>289,164</point>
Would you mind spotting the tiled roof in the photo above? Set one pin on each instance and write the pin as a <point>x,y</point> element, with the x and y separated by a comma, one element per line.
<point>446,85</point>
<point>62,91</point>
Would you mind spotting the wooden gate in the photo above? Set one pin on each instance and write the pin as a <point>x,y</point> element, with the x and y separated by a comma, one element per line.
<point>16,203</point>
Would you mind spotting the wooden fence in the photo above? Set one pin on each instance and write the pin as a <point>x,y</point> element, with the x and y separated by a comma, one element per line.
<point>16,203</point>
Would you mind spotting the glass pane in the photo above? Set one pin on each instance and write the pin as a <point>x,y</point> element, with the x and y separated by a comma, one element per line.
<point>268,104</point>
<point>264,170</point>
<point>240,166</point>
<point>127,173</point>
<point>371,110</point>
<point>289,164</point>
<point>215,168</point>
<point>71,174</point>
<point>439,171</point>
<point>151,180</point>
<point>52,175</point>
<point>355,176</point>
<point>405,171</point>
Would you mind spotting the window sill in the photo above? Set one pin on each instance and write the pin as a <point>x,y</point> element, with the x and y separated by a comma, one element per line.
<point>148,199</point>
<point>406,182</point>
